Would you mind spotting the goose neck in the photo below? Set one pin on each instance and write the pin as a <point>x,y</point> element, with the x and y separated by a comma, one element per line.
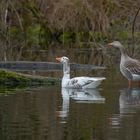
<point>123,52</point>
<point>66,70</point>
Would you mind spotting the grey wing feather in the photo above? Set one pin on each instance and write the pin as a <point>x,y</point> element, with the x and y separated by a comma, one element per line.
<point>78,84</point>
<point>133,66</point>
<point>126,72</point>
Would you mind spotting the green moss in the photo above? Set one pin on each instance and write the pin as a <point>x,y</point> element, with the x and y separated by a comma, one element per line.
<point>8,78</point>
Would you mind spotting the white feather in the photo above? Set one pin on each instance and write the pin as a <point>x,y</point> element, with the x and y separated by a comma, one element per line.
<point>77,82</point>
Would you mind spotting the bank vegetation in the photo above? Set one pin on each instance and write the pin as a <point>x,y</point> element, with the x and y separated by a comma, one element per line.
<point>35,24</point>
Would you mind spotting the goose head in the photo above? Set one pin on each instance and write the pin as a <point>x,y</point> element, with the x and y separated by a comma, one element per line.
<point>115,44</point>
<point>66,67</point>
<point>63,59</point>
<point>118,45</point>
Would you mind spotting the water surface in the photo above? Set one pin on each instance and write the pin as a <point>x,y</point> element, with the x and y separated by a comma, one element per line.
<point>111,112</point>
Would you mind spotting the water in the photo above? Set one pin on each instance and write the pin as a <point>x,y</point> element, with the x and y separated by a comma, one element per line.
<point>111,112</point>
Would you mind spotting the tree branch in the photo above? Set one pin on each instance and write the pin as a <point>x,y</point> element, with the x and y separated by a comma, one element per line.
<point>133,30</point>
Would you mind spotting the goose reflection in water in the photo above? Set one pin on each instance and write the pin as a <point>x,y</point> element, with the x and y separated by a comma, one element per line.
<point>87,96</point>
<point>79,96</point>
<point>129,100</point>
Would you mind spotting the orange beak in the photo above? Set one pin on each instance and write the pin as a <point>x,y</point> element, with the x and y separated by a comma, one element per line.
<point>110,45</point>
<point>58,59</point>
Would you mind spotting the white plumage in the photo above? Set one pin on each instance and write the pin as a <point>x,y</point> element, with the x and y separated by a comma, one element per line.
<point>77,82</point>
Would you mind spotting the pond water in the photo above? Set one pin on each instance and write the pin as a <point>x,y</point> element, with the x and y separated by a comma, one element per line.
<point>110,112</point>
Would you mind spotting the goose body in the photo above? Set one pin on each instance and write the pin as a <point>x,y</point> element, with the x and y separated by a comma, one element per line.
<point>77,82</point>
<point>129,67</point>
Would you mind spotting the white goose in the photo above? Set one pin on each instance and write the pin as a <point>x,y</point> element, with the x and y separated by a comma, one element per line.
<point>77,82</point>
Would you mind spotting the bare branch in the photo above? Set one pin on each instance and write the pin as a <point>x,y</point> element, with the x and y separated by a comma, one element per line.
<point>19,19</point>
<point>133,30</point>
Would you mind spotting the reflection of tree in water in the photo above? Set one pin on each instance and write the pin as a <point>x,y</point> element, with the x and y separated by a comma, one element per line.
<point>96,56</point>
<point>91,55</point>
<point>28,115</point>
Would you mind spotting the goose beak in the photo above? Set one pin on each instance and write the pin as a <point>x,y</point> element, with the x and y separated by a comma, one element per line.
<point>58,59</point>
<point>110,45</point>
